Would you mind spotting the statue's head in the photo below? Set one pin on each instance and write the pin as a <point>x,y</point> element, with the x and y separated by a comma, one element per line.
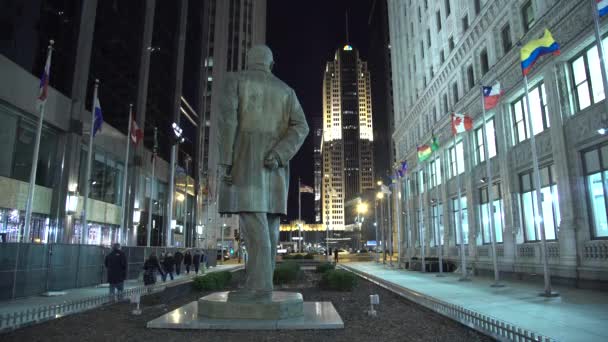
<point>260,57</point>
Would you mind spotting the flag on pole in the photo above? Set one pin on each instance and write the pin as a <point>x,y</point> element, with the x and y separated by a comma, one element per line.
<point>136,133</point>
<point>491,95</point>
<point>98,122</point>
<point>461,123</point>
<point>536,48</point>
<point>44,81</point>
<point>306,189</point>
<point>434,144</point>
<point>403,169</point>
<point>385,189</point>
<point>424,152</point>
<point>602,7</point>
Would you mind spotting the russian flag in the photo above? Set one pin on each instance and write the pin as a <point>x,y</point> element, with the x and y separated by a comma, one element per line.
<point>602,7</point>
<point>98,122</point>
<point>44,81</point>
<point>491,96</point>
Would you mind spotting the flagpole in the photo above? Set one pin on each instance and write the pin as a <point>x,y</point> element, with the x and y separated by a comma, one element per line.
<point>421,225</point>
<point>376,226</point>
<point>382,237</point>
<point>123,226</point>
<point>600,49</point>
<point>408,221</point>
<point>398,217</point>
<point>463,259</point>
<point>438,235</point>
<point>389,227</point>
<point>30,192</point>
<point>490,194</point>
<point>151,201</point>
<point>87,185</point>
<point>299,212</point>
<point>539,209</point>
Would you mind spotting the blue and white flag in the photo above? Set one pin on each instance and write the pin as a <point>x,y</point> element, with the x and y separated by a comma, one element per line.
<point>602,7</point>
<point>98,122</point>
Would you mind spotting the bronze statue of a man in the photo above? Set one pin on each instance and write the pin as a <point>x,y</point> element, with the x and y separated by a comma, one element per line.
<point>261,127</point>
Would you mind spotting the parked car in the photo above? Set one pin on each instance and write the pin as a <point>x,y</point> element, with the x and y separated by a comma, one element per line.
<point>226,254</point>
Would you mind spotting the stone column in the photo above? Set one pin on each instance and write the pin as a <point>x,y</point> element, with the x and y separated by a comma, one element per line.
<point>508,183</point>
<point>71,153</point>
<point>556,92</point>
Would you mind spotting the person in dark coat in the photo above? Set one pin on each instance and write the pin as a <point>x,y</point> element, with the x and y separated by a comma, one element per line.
<point>116,263</point>
<point>168,265</point>
<point>178,257</point>
<point>336,255</point>
<point>196,260</point>
<point>187,261</point>
<point>150,267</point>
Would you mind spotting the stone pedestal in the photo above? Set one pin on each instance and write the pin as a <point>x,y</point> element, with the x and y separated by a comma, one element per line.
<point>227,305</point>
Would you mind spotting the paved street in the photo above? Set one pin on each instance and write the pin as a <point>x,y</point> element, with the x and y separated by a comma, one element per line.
<point>577,315</point>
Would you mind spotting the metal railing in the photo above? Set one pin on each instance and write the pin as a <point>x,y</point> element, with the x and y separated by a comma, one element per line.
<point>19,319</point>
<point>32,316</point>
<point>488,325</point>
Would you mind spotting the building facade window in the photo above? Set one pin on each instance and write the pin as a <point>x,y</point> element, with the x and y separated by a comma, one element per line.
<point>496,214</point>
<point>550,205</point>
<point>527,15</point>
<point>596,180</point>
<point>435,170</point>
<point>442,56</point>
<point>586,77</point>
<point>470,76</point>
<point>455,92</point>
<point>464,219</point>
<point>505,35</point>
<point>437,221</point>
<point>448,10</point>
<point>479,142</point>
<point>484,62</point>
<point>477,6</point>
<point>438,19</point>
<point>465,23</point>
<point>540,114</point>
<point>456,156</point>
<point>451,43</point>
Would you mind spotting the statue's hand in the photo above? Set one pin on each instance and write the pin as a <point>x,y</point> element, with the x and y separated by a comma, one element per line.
<point>271,161</point>
<point>226,174</point>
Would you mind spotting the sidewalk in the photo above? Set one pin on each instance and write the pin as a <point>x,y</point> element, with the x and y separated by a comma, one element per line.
<point>23,304</point>
<point>577,315</point>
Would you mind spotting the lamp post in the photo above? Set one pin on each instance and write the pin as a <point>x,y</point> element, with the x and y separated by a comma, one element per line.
<point>178,139</point>
<point>361,210</point>
<point>379,197</point>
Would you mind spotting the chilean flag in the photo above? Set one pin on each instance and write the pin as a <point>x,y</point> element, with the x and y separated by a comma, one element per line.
<point>461,123</point>
<point>491,95</point>
<point>602,7</point>
<point>136,133</point>
<point>44,81</point>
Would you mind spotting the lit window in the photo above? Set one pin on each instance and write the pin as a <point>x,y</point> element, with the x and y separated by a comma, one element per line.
<point>540,114</point>
<point>497,210</point>
<point>587,77</point>
<point>479,141</point>
<point>464,219</point>
<point>596,175</point>
<point>550,205</point>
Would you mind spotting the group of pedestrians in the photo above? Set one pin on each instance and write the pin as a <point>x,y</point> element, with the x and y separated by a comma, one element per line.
<point>166,265</point>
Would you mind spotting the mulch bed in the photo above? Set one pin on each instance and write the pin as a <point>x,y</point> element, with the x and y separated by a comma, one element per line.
<point>397,320</point>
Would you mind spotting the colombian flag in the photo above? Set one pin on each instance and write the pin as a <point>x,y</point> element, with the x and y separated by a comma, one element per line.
<point>536,48</point>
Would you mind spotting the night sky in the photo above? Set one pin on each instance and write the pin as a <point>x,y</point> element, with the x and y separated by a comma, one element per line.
<point>303,36</point>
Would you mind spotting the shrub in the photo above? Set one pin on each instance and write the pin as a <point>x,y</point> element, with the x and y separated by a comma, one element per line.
<point>298,257</point>
<point>339,280</point>
<point>324,267</point>
<point>286,272</point>
<point>309,256</point>
<point>212,281</point>
<point>287,257</point>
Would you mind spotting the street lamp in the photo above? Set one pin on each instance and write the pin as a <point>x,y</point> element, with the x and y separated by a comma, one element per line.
<point>361,210</point>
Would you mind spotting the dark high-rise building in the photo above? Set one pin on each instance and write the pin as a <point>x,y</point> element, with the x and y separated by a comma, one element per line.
<point>347,145</point>
<point>317,131</point>
<point>379,63</point>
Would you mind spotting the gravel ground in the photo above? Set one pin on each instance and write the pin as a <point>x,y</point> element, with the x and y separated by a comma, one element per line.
<point>397,320</point>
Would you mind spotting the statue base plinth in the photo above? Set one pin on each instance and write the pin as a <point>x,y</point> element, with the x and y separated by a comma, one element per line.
<point>242,305</point>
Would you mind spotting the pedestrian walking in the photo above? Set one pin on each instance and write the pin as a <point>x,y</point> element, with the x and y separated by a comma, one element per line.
<point>150,267</point>
<point>187,261</point>
<point>178,257</point>
<point>336,255</point>
<point>168,266</point>
<point>116,263</point>
<point>196,260</point>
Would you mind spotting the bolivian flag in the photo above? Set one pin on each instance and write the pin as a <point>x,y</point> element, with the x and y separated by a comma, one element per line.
<point>534,49</point>
<point>424,152</point>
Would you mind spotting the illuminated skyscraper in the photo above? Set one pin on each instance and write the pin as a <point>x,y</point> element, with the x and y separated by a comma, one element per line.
<point>347,146</point>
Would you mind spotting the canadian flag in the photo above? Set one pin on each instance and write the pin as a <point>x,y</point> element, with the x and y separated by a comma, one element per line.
<point>461,123</point>
<point>136,133</point>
